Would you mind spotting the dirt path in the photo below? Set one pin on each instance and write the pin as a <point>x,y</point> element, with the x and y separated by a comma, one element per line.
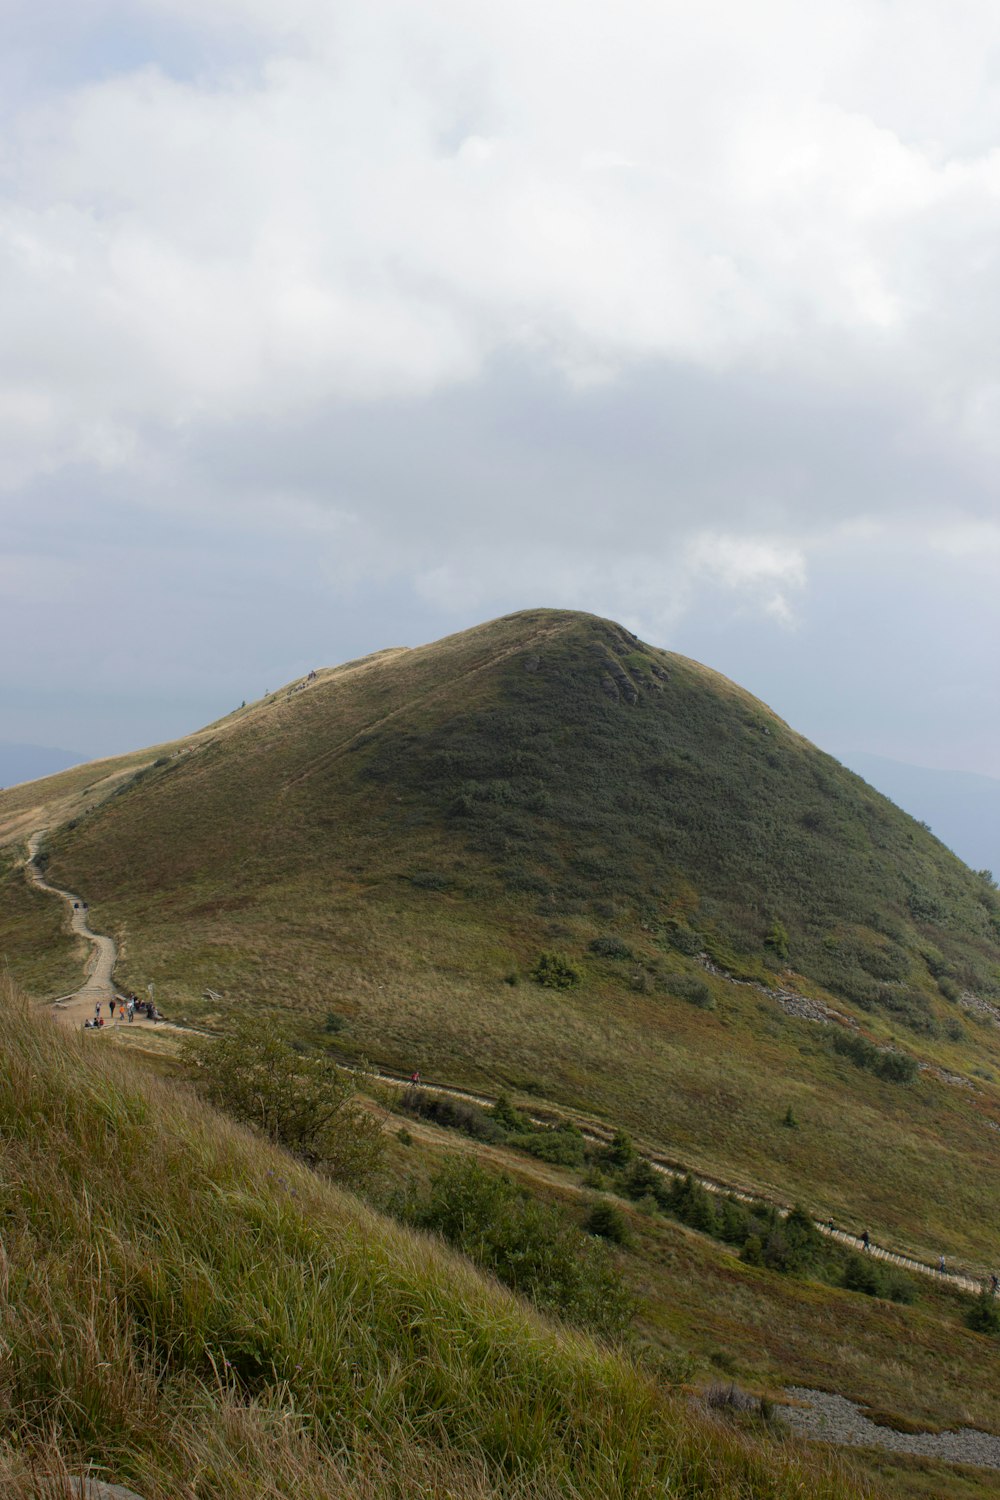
<point>98,987</point>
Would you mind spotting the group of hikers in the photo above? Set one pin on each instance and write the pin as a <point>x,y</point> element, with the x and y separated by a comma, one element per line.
<point>942,1265</point>
<point>122,1009</point>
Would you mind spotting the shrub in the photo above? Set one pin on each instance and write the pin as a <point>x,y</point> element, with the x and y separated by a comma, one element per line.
<point>684,939</point>
<point>610,947</point>
<point>306,1104</point>
<point>777,939</point>
<point>453,1114</point>
<point>690,988</point>
<point>621,1152</point>
<point>983,1316</point>
<point>532,1248</point>
<point>860,1274</point>
<point>607,1221</point>
<point>643,1179</point>
<point>506,1116</point>
<point>563,1146</point>
<point>555,972</point>
<point>688,1201</point>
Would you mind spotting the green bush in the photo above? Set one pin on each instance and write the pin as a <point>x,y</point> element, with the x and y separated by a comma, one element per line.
<point>690,988</point>
<point>643,1180</point>
<point>863,1274</point>
<point>607,1221</point>
<point>303,1103</point>
<point>777,940</point>
<point>984,1315</point>
<point>555,972</point>
<point>610,947</point>
<point>532,1248</point>
<point>564,1146</point>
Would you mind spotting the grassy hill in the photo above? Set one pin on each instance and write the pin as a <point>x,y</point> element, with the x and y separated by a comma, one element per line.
<point>195,1314</point>
<point>384,855</point>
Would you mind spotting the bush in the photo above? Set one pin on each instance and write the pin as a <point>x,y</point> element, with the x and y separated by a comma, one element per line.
<point>530,1247</point>
<point>621,1152</point>
<point>777,940</point>
<point>688,1201</point>
<point>610,947</point>
<point>893,1067</point>
<point>564,1146</point>
<point>607,1221</point>
<point>643,1180</point>
<point>690,988</point>
<point>506,1116</point>
<point>453,1114</point>
<point>685,940</point>
<point>862,1274</point>
<point>984,1315</point>
<point>555,972</point>
<point>306,1104</point>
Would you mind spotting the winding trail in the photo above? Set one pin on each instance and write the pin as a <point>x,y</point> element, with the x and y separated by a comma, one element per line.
<point>98,986</point>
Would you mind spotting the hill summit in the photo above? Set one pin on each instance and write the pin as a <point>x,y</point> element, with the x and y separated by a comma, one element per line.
<point>546,856</point>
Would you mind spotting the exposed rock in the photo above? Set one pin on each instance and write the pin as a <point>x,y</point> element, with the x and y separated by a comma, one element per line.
<point>955,1079</point>
<point>980,1007</point>
<point>833,1419</point>
<point>792,1003</point>
<point>532,663</point>
<point>607,686</point>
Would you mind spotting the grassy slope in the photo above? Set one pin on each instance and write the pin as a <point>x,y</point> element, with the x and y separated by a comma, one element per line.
<point>716,1319</point>
<point>200,1317</point>
<point>397,841</point>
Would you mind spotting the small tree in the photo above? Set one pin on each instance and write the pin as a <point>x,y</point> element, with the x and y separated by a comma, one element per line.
<point>306,1104</point>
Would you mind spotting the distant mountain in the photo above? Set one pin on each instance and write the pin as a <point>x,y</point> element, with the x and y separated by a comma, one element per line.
<point>29,762</point>
<point>961,808</point>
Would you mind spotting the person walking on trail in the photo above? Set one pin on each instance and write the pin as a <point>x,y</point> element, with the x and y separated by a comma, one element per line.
<point>866,1241</point>
<point>941,1265</point>
<point>131,1009</point>
<point>994,1284</point>
<point>97,1011</point>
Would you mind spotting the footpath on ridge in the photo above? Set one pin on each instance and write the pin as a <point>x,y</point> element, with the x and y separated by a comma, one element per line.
<point>98,986</point>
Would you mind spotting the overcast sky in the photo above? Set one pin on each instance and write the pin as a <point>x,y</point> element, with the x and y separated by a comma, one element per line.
<point>331,326</point>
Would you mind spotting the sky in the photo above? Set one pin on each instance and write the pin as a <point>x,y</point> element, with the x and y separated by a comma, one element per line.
<point>328,327</point>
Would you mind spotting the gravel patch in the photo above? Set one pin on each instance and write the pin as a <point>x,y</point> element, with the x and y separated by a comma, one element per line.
<point>834,1419</point>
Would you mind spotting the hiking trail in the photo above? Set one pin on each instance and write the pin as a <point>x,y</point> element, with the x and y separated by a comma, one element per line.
<point>98,986</point>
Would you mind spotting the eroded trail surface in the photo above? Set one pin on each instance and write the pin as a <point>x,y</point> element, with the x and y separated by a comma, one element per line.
<point>98,986</point>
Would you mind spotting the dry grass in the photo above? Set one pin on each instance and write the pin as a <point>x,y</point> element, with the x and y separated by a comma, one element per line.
<point>185,1310</point>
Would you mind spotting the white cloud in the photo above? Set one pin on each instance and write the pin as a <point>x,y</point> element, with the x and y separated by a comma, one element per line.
<point>392,196</point>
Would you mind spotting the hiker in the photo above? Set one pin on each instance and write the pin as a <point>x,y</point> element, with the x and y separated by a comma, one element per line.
<point>415,1080</point>
<point>941,1266</point>
<point>131,1009</point>
<point>994,1285</point>
<point>97,1011</point>
<point>866,1241</point>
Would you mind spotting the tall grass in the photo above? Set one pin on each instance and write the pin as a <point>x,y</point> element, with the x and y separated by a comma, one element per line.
<point>189,1311</point>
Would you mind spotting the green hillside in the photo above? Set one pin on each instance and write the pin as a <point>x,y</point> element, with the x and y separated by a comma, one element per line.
<point>386,853</point>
